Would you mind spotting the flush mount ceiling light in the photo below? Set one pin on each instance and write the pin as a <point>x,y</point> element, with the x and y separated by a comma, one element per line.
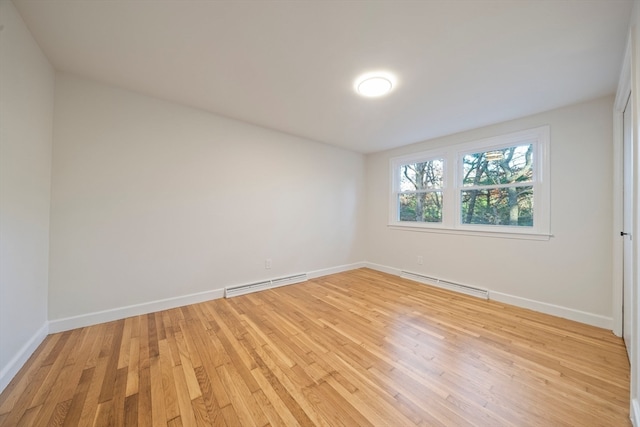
<point>374,84</point>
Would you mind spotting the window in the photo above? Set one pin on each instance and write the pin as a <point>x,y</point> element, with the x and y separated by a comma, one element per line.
<point>495,185</point>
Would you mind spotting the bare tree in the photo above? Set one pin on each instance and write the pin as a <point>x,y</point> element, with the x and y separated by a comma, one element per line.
<point>424,176</point>
<point>502,169</point>
<point>479,165</point>
<point>515,176</point>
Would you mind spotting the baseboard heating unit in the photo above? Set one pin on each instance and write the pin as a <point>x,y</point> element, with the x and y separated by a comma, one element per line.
<point>445,284</point>
<point>265,284</point>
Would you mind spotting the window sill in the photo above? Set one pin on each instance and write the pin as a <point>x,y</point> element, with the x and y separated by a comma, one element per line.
<point>468,232</point>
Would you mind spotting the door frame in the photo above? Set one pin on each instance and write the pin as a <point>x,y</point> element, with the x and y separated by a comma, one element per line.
<point>622,94</point>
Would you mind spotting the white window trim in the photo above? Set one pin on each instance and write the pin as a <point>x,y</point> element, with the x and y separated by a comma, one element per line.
<point>452,155</point>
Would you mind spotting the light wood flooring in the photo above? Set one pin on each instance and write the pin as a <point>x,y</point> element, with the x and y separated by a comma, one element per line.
<point>355,348</point>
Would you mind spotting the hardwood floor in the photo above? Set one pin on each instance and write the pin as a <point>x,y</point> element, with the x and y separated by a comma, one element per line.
<point>356,348</point>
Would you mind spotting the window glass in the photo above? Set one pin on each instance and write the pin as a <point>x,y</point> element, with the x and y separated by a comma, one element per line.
<point>419,198</point>
<point>499,206</point>
<point>492,192</point>
<point>501,166</point>
<point>423,207</point>
<point>422,176</point>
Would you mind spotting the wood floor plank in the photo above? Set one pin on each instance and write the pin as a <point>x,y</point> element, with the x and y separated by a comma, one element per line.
<point>273,387</point>
<point>125,347</point>
<point>184,401</point>
<point>354,348</point>
<point>56,390</point>
<point>23,401</point>
<point>269,410</point>
<point>23,380</point>
<point>171,408</point>
<point>189,375</point>
<point>104,414</point>
<point>230,416</point>
<point>133,371</point>
<point>158,411</point>
<point>201,413</point>
<point>145,413</point>
<point>242,400</point>
<point>208,398</point>
<point>106,393</point>
<point>29,417</point>
<point>130,410</point>
<point>90,406</point>
<point>77,403</point>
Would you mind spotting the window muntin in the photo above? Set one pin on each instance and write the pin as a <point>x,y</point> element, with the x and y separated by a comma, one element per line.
<point>497,185</point>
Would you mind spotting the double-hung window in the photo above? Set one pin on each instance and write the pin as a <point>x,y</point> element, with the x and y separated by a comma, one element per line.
<point>496,185</point>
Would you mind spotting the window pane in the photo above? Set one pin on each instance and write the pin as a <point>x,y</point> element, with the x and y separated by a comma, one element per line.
<point>503,166</point>
<point>422,176</point>
<point>421,207</point>
<point>498,206</point>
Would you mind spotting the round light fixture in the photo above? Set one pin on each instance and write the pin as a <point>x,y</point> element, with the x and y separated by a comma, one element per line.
<point>374,84</point>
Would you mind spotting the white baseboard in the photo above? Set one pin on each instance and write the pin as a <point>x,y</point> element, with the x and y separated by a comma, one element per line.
<point>17,362</point>
<point>383,268</point>
<point>68,323</point>
<point>635,413</point>
<point>334,270</point>
<point>542,307</point>
<point>554,310</point>
<point>83,320</point>
<point>88,319</point>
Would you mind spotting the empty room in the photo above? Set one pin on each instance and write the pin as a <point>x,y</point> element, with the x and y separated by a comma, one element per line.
<point>319,213</point>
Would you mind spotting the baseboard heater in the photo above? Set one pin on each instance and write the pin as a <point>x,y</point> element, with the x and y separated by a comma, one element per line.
<point>445,284</point>
<point>266,284</point>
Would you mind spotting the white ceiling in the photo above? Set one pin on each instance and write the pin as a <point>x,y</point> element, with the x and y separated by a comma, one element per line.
<point>290,65</point>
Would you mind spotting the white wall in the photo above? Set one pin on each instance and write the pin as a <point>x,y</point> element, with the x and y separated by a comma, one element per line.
<point>152,201</point>
<point>26,114</point>
<point>572,270</point>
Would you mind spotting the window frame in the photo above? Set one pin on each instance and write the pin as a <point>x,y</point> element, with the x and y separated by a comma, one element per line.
<point>452,187</point>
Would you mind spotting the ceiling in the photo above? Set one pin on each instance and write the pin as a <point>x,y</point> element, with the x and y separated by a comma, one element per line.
<point>291,65</point>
